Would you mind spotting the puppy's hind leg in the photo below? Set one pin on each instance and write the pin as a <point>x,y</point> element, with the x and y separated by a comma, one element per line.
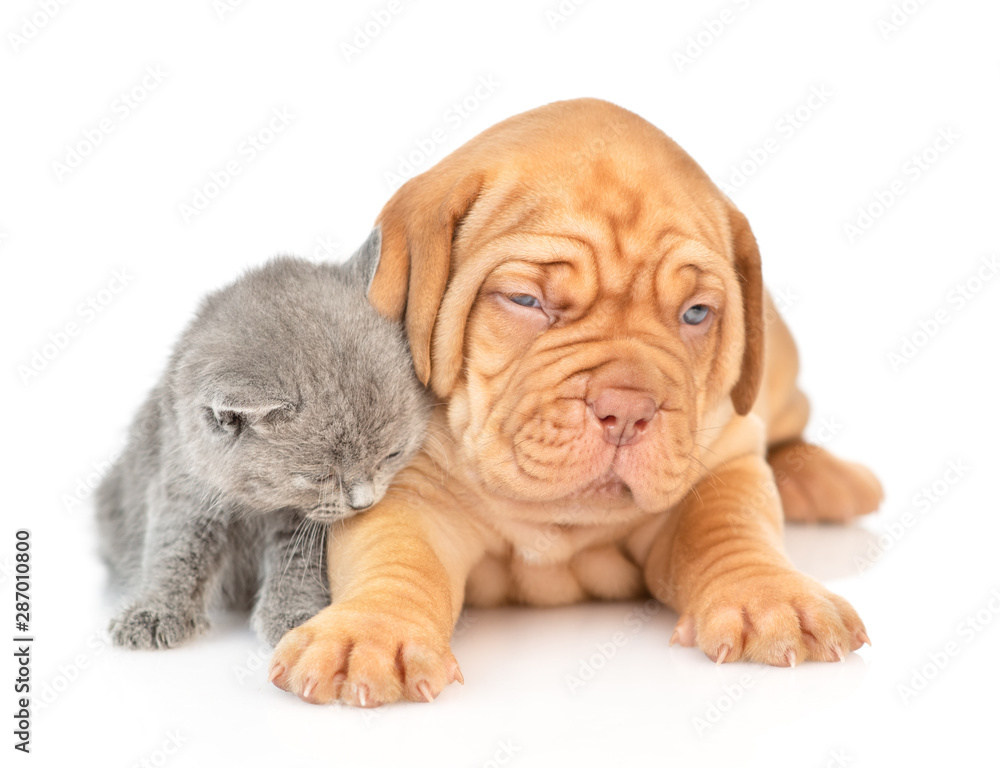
<point>816,486</point>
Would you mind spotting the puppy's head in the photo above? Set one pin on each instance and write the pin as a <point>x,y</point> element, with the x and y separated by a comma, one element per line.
<point>582,294</point>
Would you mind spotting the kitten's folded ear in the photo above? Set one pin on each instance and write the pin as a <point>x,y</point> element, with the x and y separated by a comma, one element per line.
<point>234,414</point>
<point>365,260</point>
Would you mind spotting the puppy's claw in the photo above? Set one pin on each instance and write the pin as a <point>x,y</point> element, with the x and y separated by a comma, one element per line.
<point>684,632</point>
<point>338,681</point>
<point>862,637</point>
<point>722,654</point>
<point>425,690</point>
<point>790,657</point>
<point>277,670</point>
<point>308,689</point>
<point>458,676</point>
<point>363,695</point>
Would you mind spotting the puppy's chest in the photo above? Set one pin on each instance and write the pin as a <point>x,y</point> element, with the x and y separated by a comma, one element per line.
<point>556,565</point>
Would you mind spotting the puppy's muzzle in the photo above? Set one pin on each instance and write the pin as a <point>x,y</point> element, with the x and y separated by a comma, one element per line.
<point>624,414</point>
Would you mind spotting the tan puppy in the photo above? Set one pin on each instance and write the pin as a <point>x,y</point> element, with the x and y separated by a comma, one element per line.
<point>589,308</point>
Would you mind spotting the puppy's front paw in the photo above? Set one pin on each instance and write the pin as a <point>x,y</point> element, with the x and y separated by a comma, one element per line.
<point>363,658</point>
<point>778,619</point>
<point>148,625</point>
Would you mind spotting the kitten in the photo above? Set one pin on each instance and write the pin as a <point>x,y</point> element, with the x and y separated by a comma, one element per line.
<point>288,403</point>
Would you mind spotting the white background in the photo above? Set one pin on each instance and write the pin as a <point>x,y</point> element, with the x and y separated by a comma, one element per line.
<point>315,190</point>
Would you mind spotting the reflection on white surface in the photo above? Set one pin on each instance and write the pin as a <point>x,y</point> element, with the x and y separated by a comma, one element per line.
<point>828,551</point>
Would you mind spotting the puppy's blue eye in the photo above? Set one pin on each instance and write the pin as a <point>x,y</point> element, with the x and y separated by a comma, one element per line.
<point>695,314</point>
<point>524,300</point>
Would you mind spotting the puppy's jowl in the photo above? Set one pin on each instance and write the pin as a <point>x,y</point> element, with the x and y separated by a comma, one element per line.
<point>288,403</point>
<point>590,314</point>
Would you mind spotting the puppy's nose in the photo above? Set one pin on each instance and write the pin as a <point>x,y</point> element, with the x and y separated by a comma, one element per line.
<point>361,495</point>
<point>624,414</point>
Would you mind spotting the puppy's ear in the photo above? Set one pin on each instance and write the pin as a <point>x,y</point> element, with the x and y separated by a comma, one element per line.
<point>746,260</point>
<point>418,227</point>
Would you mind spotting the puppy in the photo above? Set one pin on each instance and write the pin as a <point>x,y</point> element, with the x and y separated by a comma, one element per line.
<point>588,307</point>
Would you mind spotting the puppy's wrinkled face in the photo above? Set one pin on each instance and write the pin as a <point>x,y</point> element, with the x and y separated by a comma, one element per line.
<point>588,304</point>
<point>605,325</point>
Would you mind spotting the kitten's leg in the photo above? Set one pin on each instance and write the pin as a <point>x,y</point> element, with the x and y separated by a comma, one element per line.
<point>181,555</point>
<point>294,585</point>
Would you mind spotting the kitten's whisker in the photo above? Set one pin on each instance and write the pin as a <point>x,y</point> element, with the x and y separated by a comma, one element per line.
<point>297,537</point>
<point>319,539</point>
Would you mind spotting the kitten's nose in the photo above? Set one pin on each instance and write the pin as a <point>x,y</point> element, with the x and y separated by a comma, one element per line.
<point>361,495</point>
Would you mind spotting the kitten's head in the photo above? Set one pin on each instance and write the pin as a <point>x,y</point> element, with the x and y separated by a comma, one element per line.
<point>293,391</point>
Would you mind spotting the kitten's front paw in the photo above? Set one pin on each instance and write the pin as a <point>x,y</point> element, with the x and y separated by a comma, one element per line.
<point>151,625</point>
<point>273,624</point>
<point>363,658</point>
<point>779,619</point>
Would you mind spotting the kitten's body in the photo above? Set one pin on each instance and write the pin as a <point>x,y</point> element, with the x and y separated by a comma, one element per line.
<point>288,403</point>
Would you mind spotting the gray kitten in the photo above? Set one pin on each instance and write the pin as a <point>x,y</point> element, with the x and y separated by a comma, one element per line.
<point>288,403</point>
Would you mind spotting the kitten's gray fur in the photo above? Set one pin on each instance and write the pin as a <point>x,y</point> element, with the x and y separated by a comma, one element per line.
<point>288,403</point>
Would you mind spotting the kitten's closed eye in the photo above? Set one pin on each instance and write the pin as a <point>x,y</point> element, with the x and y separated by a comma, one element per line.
<point>226,421</point>
<point>235,419</point>
<point>392,458</point>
